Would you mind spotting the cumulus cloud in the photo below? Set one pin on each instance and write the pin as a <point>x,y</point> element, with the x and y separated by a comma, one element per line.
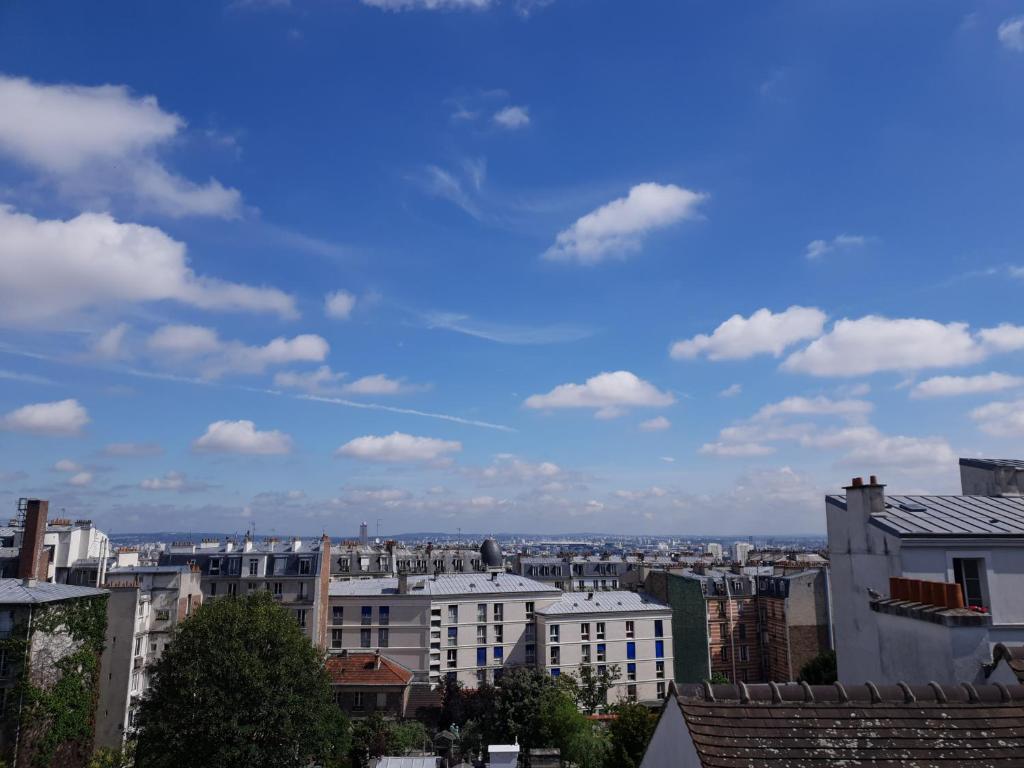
<point>324,381</point>
<point>216,357</point>
<point>1001,419</point>
<point>948,386</point>
<point>512,117</point>
<point>67,465</point>
<point>815,406</point>
<point>124,450</point>
<point>80,479</point>
<point>241,437</point>
<point>110,344</point>
<point>339,305</point>
<point>764,332</point>
<point>617,229</point>
<point>63,417</point>
<point>399,447</point>
<point>736,450</point>
<point>103,141</point>
<point>818,248</point>
<point>52,269</point>
<point>1011,34</point>
<point>610,394</point>
<point>731,391</point>
<point>657,424</point>
<point>872,343</point>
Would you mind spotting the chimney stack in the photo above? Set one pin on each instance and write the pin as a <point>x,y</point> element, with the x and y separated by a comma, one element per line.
<point>403,583</point>
<point>376,659</point>
<point>33,563</point>
<point>863,501</point>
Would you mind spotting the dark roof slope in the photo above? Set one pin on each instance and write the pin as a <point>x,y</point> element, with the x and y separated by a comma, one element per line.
<point>993,463</point>
<point>795,726</point>
<point>1014,655</point>
<point>958,516</point>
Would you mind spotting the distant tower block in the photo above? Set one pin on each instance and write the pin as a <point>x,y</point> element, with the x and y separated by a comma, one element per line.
<point>364,533</point>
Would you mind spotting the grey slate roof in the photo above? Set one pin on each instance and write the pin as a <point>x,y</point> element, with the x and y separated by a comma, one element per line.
<point>993,463</point>
<point>955,516</point>
<point>602,602</point>
<point>445,584</point>
<point>14,592</point>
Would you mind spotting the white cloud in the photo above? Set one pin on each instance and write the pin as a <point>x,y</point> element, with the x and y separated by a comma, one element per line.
<point>98,141</point>
<point>818,248</point>
<point>1001,419</point>
<point>324,381</point>
<point>510,469</point>
<point>241,437</point>
<point>377,384</point>
<point>124,450</point>
<point>736,450</point>
<point>618,228</point>
<point>609,393</point>
<point>948,386</point>
<point>216,357</point>
<point>899,452</point>
<point>64,417</point>
<point>512,117</point>
<point>872,343</point>
<point>816,406</point>
<point>110,344</point>
<point>657,424</point>
<point>67,465</point>
<point>1011,33</point>
<point>52,269</point>
<point>764,332</point>
<point>398,447</point>
<point>339,305</point>
<point>731,391</point>
<point>172,481</point>
<point>80,479</point>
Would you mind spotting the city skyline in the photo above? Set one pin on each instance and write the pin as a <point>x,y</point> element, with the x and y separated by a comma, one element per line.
<point>544,266</point>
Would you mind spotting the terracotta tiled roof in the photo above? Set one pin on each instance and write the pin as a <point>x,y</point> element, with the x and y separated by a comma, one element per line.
<point>367,669</point>
<point>793,726</point>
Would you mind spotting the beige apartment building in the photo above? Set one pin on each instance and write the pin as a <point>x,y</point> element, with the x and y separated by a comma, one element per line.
<point>600,629</point>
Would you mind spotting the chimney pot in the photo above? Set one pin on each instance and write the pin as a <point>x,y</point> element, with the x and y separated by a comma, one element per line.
<point>874,480</point>
<point>857,482</point>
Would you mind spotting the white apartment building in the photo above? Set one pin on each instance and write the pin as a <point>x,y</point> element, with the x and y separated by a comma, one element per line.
<point>145,606</point>
<point>471,626</point>
<point>740,551</point>
<point>600,629</point>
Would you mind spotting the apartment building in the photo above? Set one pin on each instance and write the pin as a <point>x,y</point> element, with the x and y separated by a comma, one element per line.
<point>470,626</point>
<point>66,542</point>
<point>368,683</point>
<point>294,571</point>
<point>603,629</point>
<point>354,560</point>
<point>965,550</point>
<point>577,573</point>
<point>793,621</point>
<point>145,606</point>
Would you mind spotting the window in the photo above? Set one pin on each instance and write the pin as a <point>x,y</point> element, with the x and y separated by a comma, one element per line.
<point>213,593</point>
<point>481,676</point>
<point>481,612</point>
<point>254,566</point>
<point>553,633</point>
<point>300,616</point>
<point>215,566</point>
<point>661,690</point>
<point>741,631</point>
<point>529,611</point>
<point>453,635</point>
<point>251,586</point>
<point>499,655</point>
<point>234,566</point>
<point>600,630</point>
<point>631,671</point>
<point>481,657</point>
<point>531,653</point>
<point>531,632</point>
<point>744,653</point>
<point>337,613</point>
<point>585,654</point>
<point>305,566</point>
<point>721,607</point>
<point>631,692</point>
<point>556,672</point>
<point>967,573</point>
<point>366,614</point>
<point>382,638</point>
<point>302,591</point>
<point>581,585</point>
<point>601,654</point>
<point>659,669</point>
<point>364,638</point>
<point>481,633</point>
<point>659,648</point>
<point>232,589</point>
<point>382,700</point>
<point>278,588</point>
<point>556,655</point>
<point>723,653</point>
<point>630,650</point>
<point>499,633</point>
<point>585,631</point>
<point>452,657</point>
<point>453,614</point>
<point>499,612</point>
<point>658,628</point>
<point>384,615</point>
<point>357,700</point>
<point>630,629</point>
<point>138,646</point>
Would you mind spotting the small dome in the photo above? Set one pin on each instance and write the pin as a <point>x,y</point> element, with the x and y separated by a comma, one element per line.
<point>490,553</point>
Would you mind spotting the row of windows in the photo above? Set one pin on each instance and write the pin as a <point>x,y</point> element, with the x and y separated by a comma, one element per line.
<point>277,587</point>
<point>365,636</point>
<point>277,566</point>
<point>497,612</point>
<point>743,653</point>
<point>555,632</point>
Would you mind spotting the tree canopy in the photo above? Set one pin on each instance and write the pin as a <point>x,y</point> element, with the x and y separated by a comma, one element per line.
<point>240,686</point>
<point>821,670</point>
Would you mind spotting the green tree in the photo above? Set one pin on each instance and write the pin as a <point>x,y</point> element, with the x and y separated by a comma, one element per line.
<point>630,731</point>
<point>562,725</point>
<point>821,670</point>
<point>105,757</point>
<point>240,686</point>
<point>717,678</point>
<point>591,688</point>
<point>376,735</point>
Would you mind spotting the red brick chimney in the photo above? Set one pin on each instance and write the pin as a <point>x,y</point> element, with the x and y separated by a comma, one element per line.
<point>33,562</point>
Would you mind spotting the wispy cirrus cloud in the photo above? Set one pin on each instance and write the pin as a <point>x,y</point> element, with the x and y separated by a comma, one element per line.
<point>505,333</point>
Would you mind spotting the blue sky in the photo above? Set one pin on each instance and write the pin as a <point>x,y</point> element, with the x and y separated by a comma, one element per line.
<point>665,267</point>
